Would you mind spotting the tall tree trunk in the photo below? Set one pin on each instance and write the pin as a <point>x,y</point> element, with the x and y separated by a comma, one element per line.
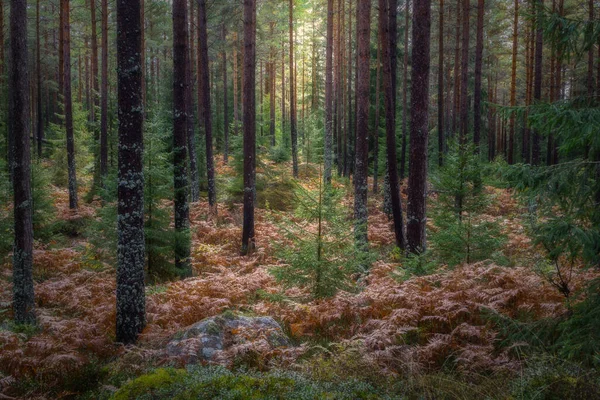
<point>61,52</point>
<point>440,126</point>
<point>464,73</point>
<point>225,97</point>
<point>180,151</point>
<point>377,118</point>
<point>236,116</point>
<point>294,133</point>
<point>457,77</point>
<point>328,148</point>
<point>513,83</point>
<point>272,74</point>
<point>131,315</point>
<point>419,116</point>
<point>404,94</point>
<point>23,295</point>
<point>390,123</point>
<point>104,94</point>
<point>590,70</point>
<point>249,124</point>
<point>94,62</point>
<point>363,33</point>
<point>537,78</point>
<point>477,89</point>
<point>189,106</point>
<point>69,106</point>
<point>40,120</point>
<point>206,115</point>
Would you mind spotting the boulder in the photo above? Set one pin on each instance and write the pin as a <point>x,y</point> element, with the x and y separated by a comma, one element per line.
<point>212,338</point>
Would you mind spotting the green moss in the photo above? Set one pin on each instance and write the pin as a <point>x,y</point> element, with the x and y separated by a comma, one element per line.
<point>148,384</point>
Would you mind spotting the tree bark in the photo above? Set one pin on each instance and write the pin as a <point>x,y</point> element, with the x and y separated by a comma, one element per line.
<point>104,94</point>
<point>457,76</point>
<point>440,116</point>
<point>377,118</point>
<point>23,292</point>
<point>189,106</point>
<point>537,79</point>
<point>328,148</point>
<point>40,120</point>
<point>180,44</point>
<point>419,115</point>
<point>249,124</point>
<point>272,74</point>
<point>69,106</point>
<point>206,115</point>
<point>131,317</point>
<point>478,68</point>
<point>404,94</point>
<point>390,123</point>
<point>464,73</point>
<point>361,189</point>
<point>225,99</point>
<point>513,84</point>
<point>293,127</point>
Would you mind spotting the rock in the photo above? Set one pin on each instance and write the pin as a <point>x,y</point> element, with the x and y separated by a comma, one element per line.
<point>210,339</point>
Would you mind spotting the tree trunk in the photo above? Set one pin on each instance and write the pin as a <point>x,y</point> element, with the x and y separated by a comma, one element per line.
<point>40,120</point>
<point>404,94</point>
<point>390,123</point>
<point>236,116</point>
<point>464,73</point>
<point>180,151</point>
<point>419,116</point>
<point>363,33</point>
<point>590,69</point>
<point>537,79</point>
<point>225,99</point>
<point>94,62</point>
<point>328,148</point>
<point>249,124</point>
<point>69,106</point>
<point>272,74</point>
<point>23,295</point>
<point>206,115</point>
<point>477,89</point>
<point>294,133</point>
<point>513,84</point>
<point>189,95</point>
<point>104,94</point>
<point>131,317</point>
<point>440,126</point>
<point>377,118</point>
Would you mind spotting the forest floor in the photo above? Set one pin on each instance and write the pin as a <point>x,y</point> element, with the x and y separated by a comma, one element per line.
<point>393,327</point>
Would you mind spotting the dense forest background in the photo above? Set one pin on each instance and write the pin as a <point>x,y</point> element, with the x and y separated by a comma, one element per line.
<point>353,198</point>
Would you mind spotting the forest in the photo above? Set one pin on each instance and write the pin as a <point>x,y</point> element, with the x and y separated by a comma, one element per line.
<point>299,199</point>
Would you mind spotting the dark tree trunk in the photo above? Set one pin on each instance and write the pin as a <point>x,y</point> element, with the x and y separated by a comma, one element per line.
<point>390,123</point>
<point>404,94</point>
<point>225,99</point>
<point>182,211</point>
<point>361,188</point>
<point>23,297</point>
<point>328,149</point>
<point>513,84</point>
<point>69,106</point>
<point>377,118</point>
<point>419,113</point>
<point>94,62</point>
<point>104,94</point>
<point>478,68</point>
<point>189,106</point>
<point>131,314</point>
<point>440,110</point>
<point>40,119</point>
<point>537,79</point>
<point>293,127</point>
<point>464,73</point>
<point>206,115</point>
<point>249,124</point>
<point>456,105</point>
<point>590,69</point>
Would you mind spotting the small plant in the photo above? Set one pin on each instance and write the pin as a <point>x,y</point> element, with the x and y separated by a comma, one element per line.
<point>322,255</point>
